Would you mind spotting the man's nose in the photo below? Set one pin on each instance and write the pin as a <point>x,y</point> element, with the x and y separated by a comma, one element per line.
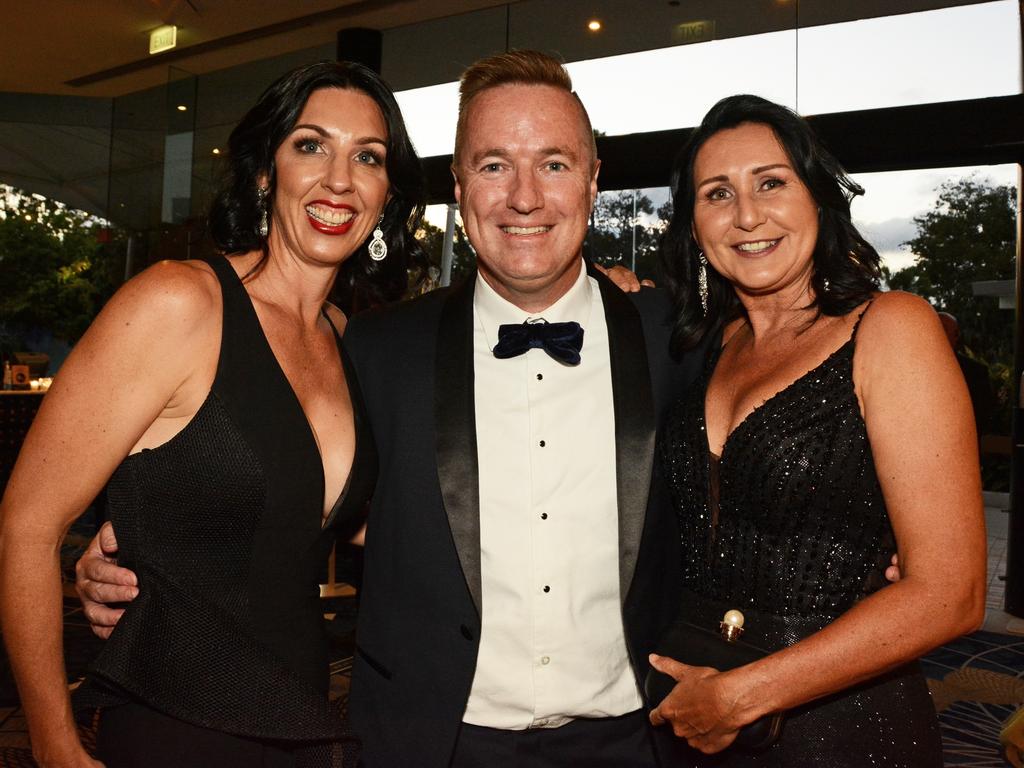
<point>525,194</point>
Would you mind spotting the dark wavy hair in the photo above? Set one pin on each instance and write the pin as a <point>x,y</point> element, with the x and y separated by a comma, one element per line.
<point>235,212</point>
<point>846,267</point>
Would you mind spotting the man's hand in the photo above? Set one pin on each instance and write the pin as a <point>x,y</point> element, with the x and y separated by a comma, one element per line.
<point>699,709</point>
<point>892,573</point>
<point>625,280</point>
<point>100,582</point>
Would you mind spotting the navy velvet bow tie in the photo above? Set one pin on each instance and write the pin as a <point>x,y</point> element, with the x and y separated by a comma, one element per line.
<point>562,341</point>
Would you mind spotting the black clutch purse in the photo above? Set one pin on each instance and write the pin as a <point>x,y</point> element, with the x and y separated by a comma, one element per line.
<point>722,650</point>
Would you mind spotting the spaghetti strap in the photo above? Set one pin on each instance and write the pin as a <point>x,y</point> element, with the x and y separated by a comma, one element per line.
<point>856,326</point>
<point>327,317</point>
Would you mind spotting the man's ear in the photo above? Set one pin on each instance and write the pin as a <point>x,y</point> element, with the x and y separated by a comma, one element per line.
<point>458,187</point>
<point>593,182</point>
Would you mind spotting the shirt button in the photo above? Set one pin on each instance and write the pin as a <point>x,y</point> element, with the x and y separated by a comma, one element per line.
<point>542,443</point>
<point>545,660</point>
<point>540,377</point>
<point>543,515</point>
<point>547,588</point>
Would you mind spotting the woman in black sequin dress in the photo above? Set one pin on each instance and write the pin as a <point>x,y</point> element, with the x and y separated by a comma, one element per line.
<point>217,399</point>
<point>831,429</point>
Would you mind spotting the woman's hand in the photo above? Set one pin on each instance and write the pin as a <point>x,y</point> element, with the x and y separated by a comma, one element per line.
<point>701,708</point>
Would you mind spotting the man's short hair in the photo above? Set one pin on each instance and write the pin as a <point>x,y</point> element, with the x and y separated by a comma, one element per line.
<point>515,68</point>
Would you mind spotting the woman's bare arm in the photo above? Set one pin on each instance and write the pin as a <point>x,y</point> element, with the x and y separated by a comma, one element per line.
<point>133,379</point>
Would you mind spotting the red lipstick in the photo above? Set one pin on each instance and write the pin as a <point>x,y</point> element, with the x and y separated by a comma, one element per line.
<point>325,227</point>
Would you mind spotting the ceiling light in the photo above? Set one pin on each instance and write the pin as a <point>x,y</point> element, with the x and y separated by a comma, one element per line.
<point>594,25</point>
<point>216,151</point>
<point>182,108</point>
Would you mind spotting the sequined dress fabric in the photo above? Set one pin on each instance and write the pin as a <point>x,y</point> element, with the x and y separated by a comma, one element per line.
<point>789,525</point>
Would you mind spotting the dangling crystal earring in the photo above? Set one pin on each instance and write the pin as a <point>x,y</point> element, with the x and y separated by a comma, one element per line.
<point>378,248</point>
<point>702,281</point>
<point>261,202</point>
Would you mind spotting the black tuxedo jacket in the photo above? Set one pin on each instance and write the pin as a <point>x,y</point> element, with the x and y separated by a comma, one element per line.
<point>419,613</point>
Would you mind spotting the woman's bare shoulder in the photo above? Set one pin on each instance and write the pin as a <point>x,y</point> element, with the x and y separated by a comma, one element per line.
<point>900,333</point>
<point>180,289</point>
<point>170,306</point>
<point>898,312</point>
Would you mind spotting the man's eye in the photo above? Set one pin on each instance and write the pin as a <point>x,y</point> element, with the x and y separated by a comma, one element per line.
<point>556,165</point>
<point>492,167</point>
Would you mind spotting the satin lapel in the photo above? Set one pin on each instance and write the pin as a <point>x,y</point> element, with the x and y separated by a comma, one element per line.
<point>634,422</point>
<point>455,424</point>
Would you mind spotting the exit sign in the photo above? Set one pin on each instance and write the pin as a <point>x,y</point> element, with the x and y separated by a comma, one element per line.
<point>163,38</point>
<point>693,32</point>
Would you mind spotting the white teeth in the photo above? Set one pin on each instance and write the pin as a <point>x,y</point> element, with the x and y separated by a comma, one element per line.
<point>760,245</point>
<point>331,216</point>
<point>524,230</point>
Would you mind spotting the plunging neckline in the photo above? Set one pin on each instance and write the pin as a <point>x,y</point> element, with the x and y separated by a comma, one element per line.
<point>721,454</point>
<point>325,521</point>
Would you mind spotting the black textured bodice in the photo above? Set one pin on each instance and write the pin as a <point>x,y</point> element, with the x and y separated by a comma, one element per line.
<point>223,525</point>
<point>789,525</point>
<point>801,527</point>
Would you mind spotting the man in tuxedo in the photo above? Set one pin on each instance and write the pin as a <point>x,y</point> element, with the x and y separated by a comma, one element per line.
<point>517,568</point>
<point>519,561</point>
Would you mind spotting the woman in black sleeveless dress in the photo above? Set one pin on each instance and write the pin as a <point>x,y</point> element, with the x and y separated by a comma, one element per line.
<point>217,399</point>
<point>831,429</point>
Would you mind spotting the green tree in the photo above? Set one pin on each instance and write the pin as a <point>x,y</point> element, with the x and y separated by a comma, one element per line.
<point>55,275</point>
<point>432,241</point>
<point>610,240</point>
<point>968,236</point>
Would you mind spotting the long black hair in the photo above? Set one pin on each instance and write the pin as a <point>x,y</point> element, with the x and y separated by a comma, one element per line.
<point>846,267</point>
<point>235,212</point>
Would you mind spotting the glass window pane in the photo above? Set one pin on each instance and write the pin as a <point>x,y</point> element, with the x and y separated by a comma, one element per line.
<point>951,54</point>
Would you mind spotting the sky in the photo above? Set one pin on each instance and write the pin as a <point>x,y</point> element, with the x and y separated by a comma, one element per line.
<point>944,55</point>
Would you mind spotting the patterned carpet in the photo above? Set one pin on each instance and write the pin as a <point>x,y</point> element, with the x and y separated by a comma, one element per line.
<point>977,683</point>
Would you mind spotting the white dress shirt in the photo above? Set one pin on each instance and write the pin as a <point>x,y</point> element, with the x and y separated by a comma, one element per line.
<point>552,645</point>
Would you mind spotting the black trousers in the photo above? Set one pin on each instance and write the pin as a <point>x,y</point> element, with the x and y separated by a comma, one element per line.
<point>135,736</point>
<point>613,742</point>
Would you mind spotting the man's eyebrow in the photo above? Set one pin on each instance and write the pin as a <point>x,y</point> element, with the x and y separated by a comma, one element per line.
<point>492,152</point>
<point>558,151</point>
<point>504,154</point>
